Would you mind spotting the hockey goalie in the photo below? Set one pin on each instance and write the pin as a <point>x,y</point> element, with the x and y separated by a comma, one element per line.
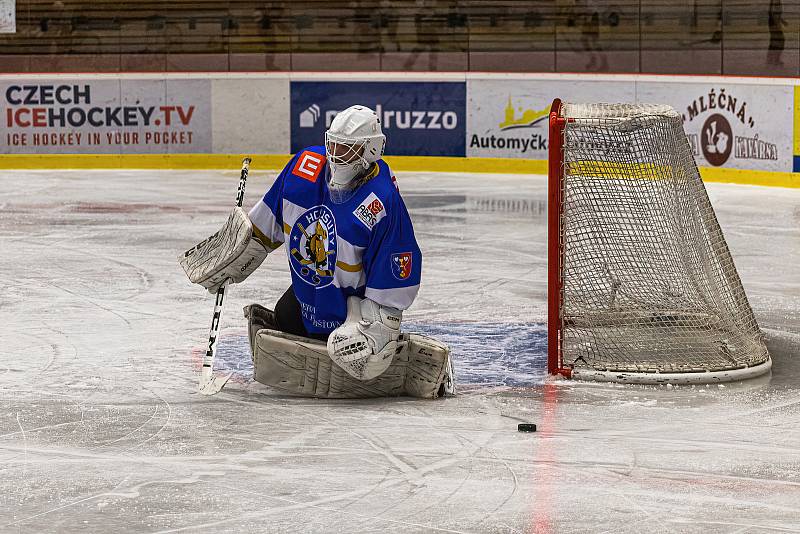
<point>355,266</point>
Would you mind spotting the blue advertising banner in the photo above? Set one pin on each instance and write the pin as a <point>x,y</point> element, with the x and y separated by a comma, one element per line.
<point>418,119</point>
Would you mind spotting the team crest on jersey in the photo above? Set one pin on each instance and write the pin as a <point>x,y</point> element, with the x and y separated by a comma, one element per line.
<point>309,165</point>
<point>370,211</point>
<point>401,265</point>
<point>312,253</point>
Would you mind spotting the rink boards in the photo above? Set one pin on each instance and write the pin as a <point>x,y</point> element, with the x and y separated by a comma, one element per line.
<point>743,130</point>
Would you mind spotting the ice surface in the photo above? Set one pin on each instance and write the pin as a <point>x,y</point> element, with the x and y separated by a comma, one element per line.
<point>102,428</point>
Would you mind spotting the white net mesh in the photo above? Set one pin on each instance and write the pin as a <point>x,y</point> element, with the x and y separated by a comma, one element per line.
<point>648,283</point>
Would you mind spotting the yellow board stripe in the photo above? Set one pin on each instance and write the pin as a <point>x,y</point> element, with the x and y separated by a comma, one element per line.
<point>748,177</point>
<point>481,165</point>
<point>137,161</point>
<point>398,163</point>
<point>797,120</point>
<point>260,162</point>
<point>622,171</point>
<point>647,171</point>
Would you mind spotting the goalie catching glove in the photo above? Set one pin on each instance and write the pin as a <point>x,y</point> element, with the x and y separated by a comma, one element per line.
<point>231,253</point>
<point>368,340</point>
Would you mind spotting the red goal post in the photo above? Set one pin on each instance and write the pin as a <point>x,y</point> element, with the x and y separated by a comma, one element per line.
<point>555,150</point>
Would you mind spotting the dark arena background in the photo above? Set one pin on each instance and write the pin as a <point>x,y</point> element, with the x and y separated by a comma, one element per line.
<point>124,127</point>
<point>731,37</point>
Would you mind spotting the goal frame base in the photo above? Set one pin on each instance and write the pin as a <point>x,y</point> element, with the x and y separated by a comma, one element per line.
<point>710,377</point>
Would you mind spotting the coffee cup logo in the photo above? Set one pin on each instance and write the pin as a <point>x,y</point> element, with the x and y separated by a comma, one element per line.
<point>716,139</point>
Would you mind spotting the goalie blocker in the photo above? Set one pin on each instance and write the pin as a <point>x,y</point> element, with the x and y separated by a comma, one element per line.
<point>421,366</point>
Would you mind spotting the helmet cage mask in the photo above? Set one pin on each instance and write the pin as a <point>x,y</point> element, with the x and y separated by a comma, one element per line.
<point>345,151</point>
<point>353,143</point>
<point>346,163</point>
<point>346,157</point>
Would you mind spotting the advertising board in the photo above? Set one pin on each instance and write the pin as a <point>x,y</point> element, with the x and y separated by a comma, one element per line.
<point>105,116</point>
<point>418,118</point>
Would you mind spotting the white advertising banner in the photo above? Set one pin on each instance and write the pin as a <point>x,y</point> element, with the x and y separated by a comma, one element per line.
<point>250,116</point>
<point>509,118</point>
<point>105,116</point>
<point>8,17</point>
<point>739,126</point>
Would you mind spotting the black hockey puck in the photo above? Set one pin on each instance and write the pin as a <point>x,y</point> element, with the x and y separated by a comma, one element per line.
<point>526,427</point>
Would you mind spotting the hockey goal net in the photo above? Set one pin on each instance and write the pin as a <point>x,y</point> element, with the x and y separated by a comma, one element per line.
<point>642,287</point>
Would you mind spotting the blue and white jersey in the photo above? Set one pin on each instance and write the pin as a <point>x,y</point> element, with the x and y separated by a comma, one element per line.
<point>364,247</point>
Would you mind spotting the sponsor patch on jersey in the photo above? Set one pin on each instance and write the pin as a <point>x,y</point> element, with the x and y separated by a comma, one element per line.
<point>401,265</point>
<point>370,211</point>
<point>309,165</point>
<point>312,248</point>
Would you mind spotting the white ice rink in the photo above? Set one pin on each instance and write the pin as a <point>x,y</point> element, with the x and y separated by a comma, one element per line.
<point>102,428</point>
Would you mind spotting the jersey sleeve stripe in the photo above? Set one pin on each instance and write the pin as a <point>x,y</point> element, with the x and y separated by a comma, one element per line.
<point>258,234</point>
<point>262,218</point>
<point>348,267</point>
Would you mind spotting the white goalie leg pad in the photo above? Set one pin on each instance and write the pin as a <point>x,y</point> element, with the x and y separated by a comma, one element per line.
<point>301,366</point>
<point>231,253</point>
<point>258,317</point>
<point>366,343</point>
<point>429,368</point>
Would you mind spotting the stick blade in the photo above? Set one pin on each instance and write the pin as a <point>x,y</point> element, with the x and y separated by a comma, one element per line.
<point>212,385</point>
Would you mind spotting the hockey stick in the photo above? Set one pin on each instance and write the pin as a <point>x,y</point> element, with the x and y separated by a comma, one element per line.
<point>210,384</point>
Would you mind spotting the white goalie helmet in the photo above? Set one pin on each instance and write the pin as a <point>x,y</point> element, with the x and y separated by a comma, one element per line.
<point>353,143</point>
